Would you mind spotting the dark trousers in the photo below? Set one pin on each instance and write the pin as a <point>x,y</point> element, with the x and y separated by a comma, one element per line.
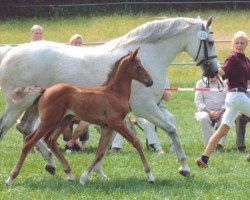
<point>240,123</point>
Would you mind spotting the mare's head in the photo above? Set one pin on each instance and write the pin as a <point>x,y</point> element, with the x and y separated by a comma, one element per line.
<point>201,47</point>
<point>136,69</point>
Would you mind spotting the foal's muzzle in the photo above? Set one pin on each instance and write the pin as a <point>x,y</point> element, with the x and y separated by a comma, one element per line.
<point>209,68</point>
<point>149,83</point>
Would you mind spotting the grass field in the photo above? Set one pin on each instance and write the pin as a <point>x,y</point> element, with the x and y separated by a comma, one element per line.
<point>227,176</point>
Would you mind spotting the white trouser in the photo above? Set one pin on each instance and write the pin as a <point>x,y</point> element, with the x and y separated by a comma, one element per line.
<point>235,102</point>
<point>207,127</point>
<point>149,129</point>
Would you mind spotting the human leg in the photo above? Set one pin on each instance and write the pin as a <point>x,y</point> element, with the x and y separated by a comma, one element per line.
<point>151,135</point>
<point>240,126</point>
<point>206,126</point>
<point>116,144</point>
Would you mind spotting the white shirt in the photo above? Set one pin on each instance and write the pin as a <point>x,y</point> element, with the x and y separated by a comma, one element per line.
<point>213,100</point>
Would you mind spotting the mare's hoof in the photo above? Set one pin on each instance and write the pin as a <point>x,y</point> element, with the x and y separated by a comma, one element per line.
<point>185,173</point>
<point>51,169</point>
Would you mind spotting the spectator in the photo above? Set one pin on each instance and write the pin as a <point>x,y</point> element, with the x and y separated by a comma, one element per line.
<point>82,130</point>
<point>36,33</point>
<point>236,69</point>
<point>210,108</point>
<point>76,40</point>
<point>149,129</point>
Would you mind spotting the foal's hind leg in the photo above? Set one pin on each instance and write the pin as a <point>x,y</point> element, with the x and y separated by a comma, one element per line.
<point>26,126</point>
<point>106,134</point>
<point>123,130</point>
<point>51,140</point>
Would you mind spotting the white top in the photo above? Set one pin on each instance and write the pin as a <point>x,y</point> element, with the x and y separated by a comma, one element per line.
<point>213,100</point>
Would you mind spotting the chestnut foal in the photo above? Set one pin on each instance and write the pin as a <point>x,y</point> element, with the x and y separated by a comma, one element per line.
<point>106,106</point>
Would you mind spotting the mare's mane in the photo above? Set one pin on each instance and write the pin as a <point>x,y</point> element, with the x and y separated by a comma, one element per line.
<point>113,69</point>
<point>156,30</point>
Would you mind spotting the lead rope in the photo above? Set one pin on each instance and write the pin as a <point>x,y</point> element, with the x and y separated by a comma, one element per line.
<point>220,83</point>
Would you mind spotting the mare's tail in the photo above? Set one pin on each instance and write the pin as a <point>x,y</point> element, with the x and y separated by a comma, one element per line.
<point>28,94</point>
<point>4,50</point>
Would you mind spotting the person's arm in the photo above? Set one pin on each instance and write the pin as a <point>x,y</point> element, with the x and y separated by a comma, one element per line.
<point>166,94</point>
<point>198,98</point>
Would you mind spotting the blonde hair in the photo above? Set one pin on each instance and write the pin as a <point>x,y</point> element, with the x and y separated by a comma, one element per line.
<point>239,34</point>
<point>34,27</point>
<point>74,37</point>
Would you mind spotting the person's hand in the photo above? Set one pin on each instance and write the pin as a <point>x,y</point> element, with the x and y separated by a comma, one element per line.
<point>166,96</point>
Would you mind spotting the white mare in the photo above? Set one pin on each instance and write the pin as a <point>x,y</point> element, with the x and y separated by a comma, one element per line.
<point>45,63</point>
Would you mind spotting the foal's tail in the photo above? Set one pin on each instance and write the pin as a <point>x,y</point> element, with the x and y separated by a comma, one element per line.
<point>28,94</point>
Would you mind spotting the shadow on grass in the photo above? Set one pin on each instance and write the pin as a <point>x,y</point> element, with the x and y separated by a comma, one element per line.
<point>120,185</point>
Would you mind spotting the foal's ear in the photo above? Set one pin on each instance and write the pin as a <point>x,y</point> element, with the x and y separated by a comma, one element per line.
<point>135,53</point>
<point>209,21</point>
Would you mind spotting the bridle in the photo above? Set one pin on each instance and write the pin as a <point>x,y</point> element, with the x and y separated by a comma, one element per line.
<point>206,61</point>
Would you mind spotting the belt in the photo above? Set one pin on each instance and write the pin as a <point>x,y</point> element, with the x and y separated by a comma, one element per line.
<point>237,90</point>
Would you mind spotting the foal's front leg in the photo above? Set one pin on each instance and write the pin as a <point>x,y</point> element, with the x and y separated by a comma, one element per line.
<point>123,130</point>
<point>105,140</point>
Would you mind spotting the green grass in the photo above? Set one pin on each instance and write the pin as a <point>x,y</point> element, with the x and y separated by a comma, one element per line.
<point>227,176</point>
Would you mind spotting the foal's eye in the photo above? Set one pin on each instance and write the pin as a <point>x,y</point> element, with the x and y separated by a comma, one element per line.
<point>138,66</point>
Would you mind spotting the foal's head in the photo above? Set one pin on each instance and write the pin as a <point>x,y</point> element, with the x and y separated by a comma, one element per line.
<point>136,69</point>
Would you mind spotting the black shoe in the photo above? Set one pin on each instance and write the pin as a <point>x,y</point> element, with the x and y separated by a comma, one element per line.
<point>241,149</point>
<point>76,147</point>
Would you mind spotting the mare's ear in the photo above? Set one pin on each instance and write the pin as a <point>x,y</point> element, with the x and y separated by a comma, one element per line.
<point>209,21</point>
<point>135,53</point>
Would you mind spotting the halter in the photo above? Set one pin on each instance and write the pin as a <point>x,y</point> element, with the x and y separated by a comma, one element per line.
<point>207,59</point>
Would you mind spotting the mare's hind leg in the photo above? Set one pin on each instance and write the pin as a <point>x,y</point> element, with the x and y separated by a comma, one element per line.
<point>106,134</point>
<point>51,140</point>
<point>26,126</point>
<point>9,117</point>
<point>30,141</point>
<point>123,130</point>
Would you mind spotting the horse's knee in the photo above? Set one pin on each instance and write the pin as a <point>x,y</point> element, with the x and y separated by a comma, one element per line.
<point>171,130</point>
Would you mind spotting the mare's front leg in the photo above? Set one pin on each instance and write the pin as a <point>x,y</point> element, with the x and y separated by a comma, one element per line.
<point>123,130</point>
<point>26,126</point>
<point>51,140</point>
<point>105,140</point>
<point>162,120</point>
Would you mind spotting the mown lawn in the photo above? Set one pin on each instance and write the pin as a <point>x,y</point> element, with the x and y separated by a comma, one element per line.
<point>227,176</point>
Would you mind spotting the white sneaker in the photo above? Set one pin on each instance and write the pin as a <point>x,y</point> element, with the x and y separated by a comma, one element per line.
<point>160,152</point>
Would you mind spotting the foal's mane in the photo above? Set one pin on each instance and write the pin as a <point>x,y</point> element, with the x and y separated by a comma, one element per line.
<point>113,69</point>
<point>156,30</point>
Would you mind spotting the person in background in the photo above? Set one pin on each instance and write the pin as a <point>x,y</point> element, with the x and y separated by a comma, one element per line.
<point>236,69</point>
<point>210,108</point>
<point>240,126</point>
<point>150,129</point>
<point>36,33</point>
<point>76,40</point>
<point>70,135</point>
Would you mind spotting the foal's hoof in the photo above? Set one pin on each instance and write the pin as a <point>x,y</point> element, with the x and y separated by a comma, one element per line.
<point>51,169</point>
<point>150,178</point>
<point>184,172</point>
